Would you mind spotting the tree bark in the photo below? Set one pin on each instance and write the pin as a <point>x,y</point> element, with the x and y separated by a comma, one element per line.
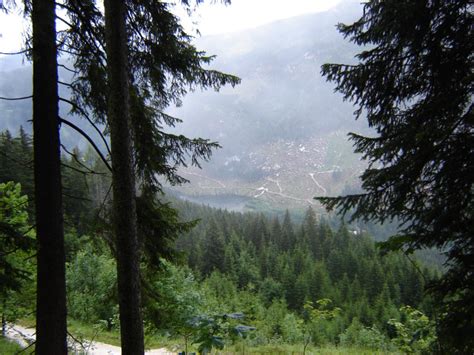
<point>51,333</point>
<point>124,209</point>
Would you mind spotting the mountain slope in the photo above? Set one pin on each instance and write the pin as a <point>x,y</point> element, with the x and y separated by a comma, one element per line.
<point>283,130</point>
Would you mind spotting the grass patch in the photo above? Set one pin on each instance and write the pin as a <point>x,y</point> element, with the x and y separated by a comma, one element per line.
<point>297,349</point>
<point>26,322</point>
<point>9,347</point>
<point>83,331</point>
<point>97,332</point>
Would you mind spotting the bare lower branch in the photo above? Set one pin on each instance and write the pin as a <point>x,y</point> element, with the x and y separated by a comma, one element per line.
<point>68,69</point>
<point>84,172</point>
<point>15,53</point>
<point>86,116</point>
<point>74,156</point>
<point>77,197</point>
<point>102,205</point>
<point>89,139</point>
<point>77,341</point>
<point>16,98</point>
<point>65,84</point>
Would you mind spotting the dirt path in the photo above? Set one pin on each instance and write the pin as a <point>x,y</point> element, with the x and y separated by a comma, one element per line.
<point>25,336</point>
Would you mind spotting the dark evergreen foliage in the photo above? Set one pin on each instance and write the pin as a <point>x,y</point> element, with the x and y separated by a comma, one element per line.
<point>14,238</point>
<point>158,221</point>
<point>213,250</point>
<point>347,269</point>
<point>16,162</point>
<point>163,67</point>
<point>245,273</point>
<point>414,83</point>
<point>81,190</point>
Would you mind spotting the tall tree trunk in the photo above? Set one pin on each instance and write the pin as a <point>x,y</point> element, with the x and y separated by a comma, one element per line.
<point>124,210</point>
<point>51,293</point>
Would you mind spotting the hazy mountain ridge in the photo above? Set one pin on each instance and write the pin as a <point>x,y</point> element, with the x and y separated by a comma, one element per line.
<point>283,129</point>
<point>16,81</point>
<point>282,94</point>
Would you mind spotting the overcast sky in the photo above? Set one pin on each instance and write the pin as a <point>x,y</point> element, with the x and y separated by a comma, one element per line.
<point>11,28</point>
<point>212,17</point>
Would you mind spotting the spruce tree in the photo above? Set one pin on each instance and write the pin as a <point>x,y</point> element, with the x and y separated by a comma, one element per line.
<point>313,236</point>
<point>25,158</point>
<point>413,81</point>
<point>158,66</point>
<point>288,235</point>
<point>163,67</point>
<point>214,250</point>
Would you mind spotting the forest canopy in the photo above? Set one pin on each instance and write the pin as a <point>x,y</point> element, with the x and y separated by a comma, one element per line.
<point>94,240</point>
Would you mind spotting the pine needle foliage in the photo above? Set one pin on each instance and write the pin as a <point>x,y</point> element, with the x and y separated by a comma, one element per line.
<point>163,67</point>
<point>413,82</point>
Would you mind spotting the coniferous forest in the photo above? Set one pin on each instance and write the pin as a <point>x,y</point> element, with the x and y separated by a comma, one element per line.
<point>100,254</point>
<point>294,284</point>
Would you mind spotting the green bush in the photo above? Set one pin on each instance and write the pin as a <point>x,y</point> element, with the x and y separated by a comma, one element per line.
<point>416,334</point>
<point>359,336</point>
<point>91,283</point>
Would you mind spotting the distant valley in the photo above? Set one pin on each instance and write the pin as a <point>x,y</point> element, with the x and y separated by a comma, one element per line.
<point>283,131</point>
<point>277,175</point>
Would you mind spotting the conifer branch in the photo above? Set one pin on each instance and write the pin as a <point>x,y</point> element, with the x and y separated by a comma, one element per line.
<point>74,156</point>
<point>84,172</point>
<point>68,69</point>
<point>70,25</point>
<point>16,98</point>
<point>70,52</point>
<point>102,204</point>
<point>24,51</point>
<point>86,116</point>
<point>77,197</point>
<point>89,139</point>
<point>65,84</point>
<point>85,22</point>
